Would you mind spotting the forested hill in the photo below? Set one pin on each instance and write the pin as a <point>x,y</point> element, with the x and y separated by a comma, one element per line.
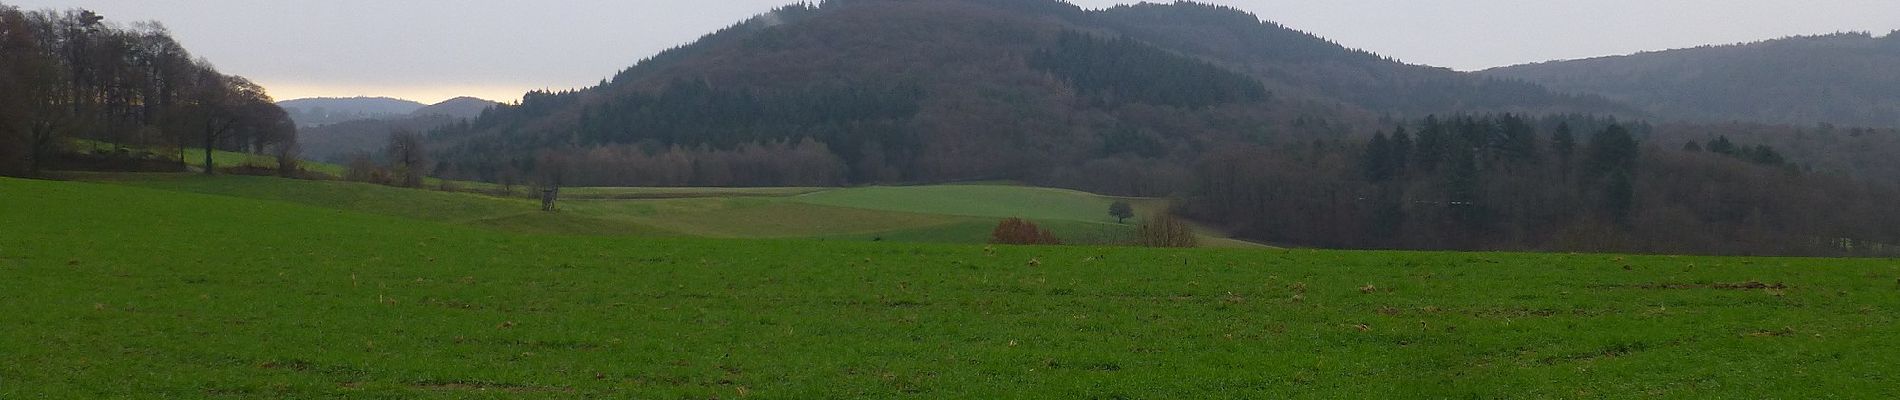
<point>314,112</point>
<point>861,91</point>
<point>1848,79</point>
<point>1296,62</point>
<point>341,141</point>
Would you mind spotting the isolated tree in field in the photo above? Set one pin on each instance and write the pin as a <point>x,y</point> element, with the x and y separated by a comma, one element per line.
<point>1022,232</point>
<point>407,157</point>
<point>288,162</point>
<point>1122,211</point>
<point>1164,230</point>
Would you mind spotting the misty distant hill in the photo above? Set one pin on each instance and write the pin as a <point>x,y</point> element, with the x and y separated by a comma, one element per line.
<point>1848,79</point>
<point>460,107</point>
<point>338,141</point>
<point>323,111</point>
<point>1299,63</point>
<point>904,91</point>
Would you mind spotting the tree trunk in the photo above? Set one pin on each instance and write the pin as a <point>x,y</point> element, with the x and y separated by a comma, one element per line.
<point>38,150</point>
<point>210,138</point>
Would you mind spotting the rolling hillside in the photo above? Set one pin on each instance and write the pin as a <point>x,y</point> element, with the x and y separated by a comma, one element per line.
<point>314,112</point>
<point>881,91</point>
<point>338,141</point>
<point>1843,79</point>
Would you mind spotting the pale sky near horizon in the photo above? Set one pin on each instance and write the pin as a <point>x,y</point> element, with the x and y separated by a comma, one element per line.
<point>431,50</point>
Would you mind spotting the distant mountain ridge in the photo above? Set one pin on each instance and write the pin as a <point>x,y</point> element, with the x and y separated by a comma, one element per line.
<point>460,107</point>
<point>320,111</point>
<point>1292,61</point>
<point>336,141</point>
<point>1850,79</point>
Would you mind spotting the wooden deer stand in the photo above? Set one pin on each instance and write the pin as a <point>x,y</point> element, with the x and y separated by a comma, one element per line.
<point>548,196</point>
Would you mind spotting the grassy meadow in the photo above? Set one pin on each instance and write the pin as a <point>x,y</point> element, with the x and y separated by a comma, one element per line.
<point>853,214</point>
<point>236,287</point>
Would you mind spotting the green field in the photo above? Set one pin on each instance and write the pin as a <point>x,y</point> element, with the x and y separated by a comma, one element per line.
<point>621,193</point>
<point>992,201</point>
<point>122,291</point>
<point>781,213</point>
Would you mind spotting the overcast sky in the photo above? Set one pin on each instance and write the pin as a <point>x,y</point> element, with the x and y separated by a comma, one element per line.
<point>430,50</point>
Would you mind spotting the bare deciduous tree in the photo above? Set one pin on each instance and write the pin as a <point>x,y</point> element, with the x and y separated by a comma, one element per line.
<point>407,157</point>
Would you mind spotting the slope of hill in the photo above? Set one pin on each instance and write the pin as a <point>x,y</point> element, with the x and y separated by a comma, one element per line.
<point>336,142</point>
<point>1846,79</point>
<point>904,91</point>
<point>315,112</point>
<point>460,108</point>
<point>1300,63</point>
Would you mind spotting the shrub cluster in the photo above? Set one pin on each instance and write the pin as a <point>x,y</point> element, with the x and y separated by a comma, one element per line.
<point>1022,232</point>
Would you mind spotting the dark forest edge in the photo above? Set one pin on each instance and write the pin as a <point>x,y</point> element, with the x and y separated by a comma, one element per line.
<point>72,76</point>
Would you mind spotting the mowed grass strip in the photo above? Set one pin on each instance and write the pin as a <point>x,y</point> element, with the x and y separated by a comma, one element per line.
<point>992,201</point>
<point>114,292</point>
<point>629,193</point>
<point>744,217</point>
<point>498,213</point>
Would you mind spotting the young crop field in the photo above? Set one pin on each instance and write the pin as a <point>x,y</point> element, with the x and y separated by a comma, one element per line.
<point>123,291</point>
<point>993,201</point>
<point>906,214</point>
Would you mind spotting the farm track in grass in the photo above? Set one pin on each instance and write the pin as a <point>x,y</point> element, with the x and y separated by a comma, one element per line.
<point>117,291</point>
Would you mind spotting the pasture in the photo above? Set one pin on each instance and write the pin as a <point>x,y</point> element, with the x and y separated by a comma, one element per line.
<point>131,291</point>
<point>928,214</point>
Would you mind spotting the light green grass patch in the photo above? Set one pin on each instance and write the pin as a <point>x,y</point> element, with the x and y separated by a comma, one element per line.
<point>973,201</point>
<point>751,217</point>
<point>634,193</point>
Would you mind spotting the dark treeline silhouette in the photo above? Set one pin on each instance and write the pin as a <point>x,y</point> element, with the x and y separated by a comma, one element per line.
<point>1853,152</point>
<point>70,75</point>
<point>1509,183</point>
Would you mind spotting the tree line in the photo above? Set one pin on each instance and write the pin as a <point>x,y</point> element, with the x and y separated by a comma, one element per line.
<point>71,75</point>
<point>1506,182</point>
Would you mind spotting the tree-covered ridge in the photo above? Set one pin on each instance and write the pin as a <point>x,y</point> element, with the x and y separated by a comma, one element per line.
<point>73,75</point>
<point>1293,62</point>
<point>1125,70</point>
<point>1845,79</point>
<point>693,113</point>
